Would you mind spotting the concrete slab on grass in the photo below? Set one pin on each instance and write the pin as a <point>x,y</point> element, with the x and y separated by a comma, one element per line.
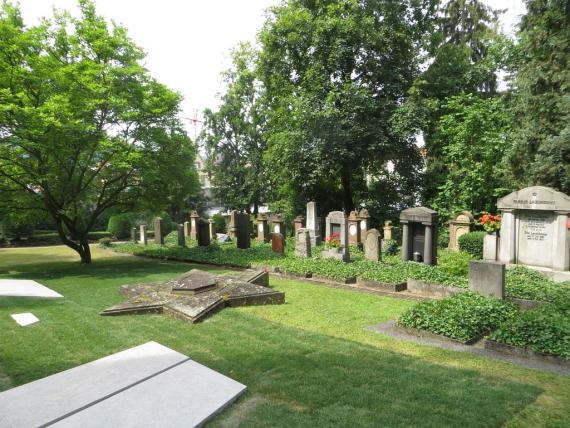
<point>148,385</point>
<point>25,319</point>
<point>26,288</point>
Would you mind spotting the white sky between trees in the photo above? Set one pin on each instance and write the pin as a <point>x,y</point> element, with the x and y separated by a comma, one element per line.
<point>188,41</point>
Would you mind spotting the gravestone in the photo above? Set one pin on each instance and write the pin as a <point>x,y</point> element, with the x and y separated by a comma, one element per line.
<point>458,226</point>
<point>336,222</point>
<point>211,228</point>
<point>242,230</point>
<point>419,235</point>
<point>262,228</point>
<point>353,229</point>
<point>364,218</point>
<point>134,234</point>
<point>534,229</point>
<point>158,231</point>
<point>181,237</point>
<point>487,278</point>
<point>278,224</point>
<point>186,228</point>
<point>277,243</point>
<point>313,224</point>
<point>203,234</point>
<point>193,282</point>
<point>194,225</point>
<point>373,246</point>
<point>298,223</point>
<point>232,224</point>
<point>142,237</point>
<point>302,243</point>
<point>388,230</point>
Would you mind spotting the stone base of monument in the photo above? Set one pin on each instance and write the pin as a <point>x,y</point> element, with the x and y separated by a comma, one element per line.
<point>555,275</point>
<point>148,385</point>
<point>335,253</point>
<point>249,288</point>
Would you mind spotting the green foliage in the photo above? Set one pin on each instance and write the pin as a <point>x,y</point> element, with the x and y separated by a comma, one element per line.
<point>525,283</point>
<point>105,242</point>
<point>545,329</point>
<point>120,226</point>
<point>472,243</point>
<point>17,228</point>
<point>463,317</point>
<point>219,223</point>
<point>389,247</point>
<point>85,128</point>
<point>454,262</point>
<point>443,237</point>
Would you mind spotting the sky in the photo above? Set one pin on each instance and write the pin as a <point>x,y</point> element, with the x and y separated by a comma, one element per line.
<point>188,41</point>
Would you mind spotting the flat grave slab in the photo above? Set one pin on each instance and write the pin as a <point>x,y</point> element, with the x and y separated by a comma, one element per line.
<point>193,282</point>
<point>26,288</point>
<point>148,385</point>
<point>25,319</point>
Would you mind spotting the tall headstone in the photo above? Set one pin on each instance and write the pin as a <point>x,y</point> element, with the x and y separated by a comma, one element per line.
<point>187,228</point>
<point>298,223</point>
<point>458,226</point>
<point>277,243</point>
<point>313,224</point>
<point>194,225</point>
<point>353,229</point>
<point>364,218</point>
<point>388,230</point>
<point>203,233</point>
<point>487,278</point>
<point>212,228</point>
<point>278,224</point>
<point>181,237</point>
<point>158,231</point>
<point>302,243</point>
<point>373,246</point>
<point>262,228</point>
<point>534,229</point>
<point>232,228</point>
<point>142,237</point>
<point>336,222</point>
<point>242,230</point>
<point>419,235</point>
<point>134,234</point>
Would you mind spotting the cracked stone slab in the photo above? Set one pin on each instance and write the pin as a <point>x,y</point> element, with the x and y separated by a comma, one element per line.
<point>258,277</point>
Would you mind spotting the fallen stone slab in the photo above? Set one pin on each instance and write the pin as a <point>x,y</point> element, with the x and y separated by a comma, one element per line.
<point>193,282</point>
<point>25,319</point>
<point>149,385</point>
<point>26,288</point>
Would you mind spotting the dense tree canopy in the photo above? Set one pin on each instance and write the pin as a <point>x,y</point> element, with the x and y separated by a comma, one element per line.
<point>83,127</point>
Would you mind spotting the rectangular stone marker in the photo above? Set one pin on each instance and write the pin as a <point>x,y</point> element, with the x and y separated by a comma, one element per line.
<point>232,224</point>
<point>186,228</point>
<point>278,243</point>
<point>373,246</point>
<point>143,237</point>
<point>134,234</point>
<point>336,222</point>
<point>25,319</point>
<point>302,243</point>
<point>181,237</point>
<point>242,230</point>
<point>158,231</point>
<point>487,278</point>
<point>278,224</point>
<point>203,234</point>
<point>194,225</point>
<point>313,224</point>
<point>211,228</point>
<point>26,288</point>
<point>262,228</point>
<point>354,236</point>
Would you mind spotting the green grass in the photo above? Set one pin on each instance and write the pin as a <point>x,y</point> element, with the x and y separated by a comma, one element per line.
<point>310,362</point>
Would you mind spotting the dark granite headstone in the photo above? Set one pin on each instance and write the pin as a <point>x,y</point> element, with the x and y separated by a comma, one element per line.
<point>242,230</point>
<point>181,238</point>
<point>203,234</point>
<point>278,243</point>
<point>134,234</point>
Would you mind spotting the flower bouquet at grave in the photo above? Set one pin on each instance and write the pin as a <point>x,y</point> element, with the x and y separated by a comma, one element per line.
<point>491,223</point>
<point>333,241</point>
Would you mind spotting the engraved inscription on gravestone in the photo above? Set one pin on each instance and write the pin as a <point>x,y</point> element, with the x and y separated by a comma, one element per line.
<point>535,238</point>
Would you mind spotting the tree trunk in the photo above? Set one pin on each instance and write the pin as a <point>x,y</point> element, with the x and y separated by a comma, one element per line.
<point>84,251</point>
<point>81,247</point>
<point>348,203</point>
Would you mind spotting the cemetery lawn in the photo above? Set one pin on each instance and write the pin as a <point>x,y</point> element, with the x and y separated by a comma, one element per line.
<point>309,362</point>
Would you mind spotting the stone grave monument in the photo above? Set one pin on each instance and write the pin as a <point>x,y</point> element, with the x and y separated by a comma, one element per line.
<point>232,224</point>
<point>388,230</point>
<point>134,234</point>
<point>212,228</point>
<point>242,230</point>
<point>419,235</point>
<point>302,243</point>
<point>278,224</point>
<point>203,234</point>
<point>337,223</point>
<point>142,237</point>
<point>297,223</point>
<point>187,228</point>
<point>313,224</point>
<point>373,246</point>
<point>353,229</point>
<point>181,237</point>
<point>459,225</point>
<point>364,218</point>
<point>487,278</point>
<point>262,228</point>
<point>158,231</point>
<point>194,225</point>
<point>277,243</point>
<point>535,230</point>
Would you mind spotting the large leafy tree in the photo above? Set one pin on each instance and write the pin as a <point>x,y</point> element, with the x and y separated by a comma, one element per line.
<point>83,127</point>
<point>235,138</point>
<point>335,73</point>
<point>542,151</point>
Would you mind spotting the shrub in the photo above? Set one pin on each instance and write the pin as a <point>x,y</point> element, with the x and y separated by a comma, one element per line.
<point>463,317</point>
<point>16,229</point>
<point>389,247</point>
<point>454,262</point>
<point>546,329</point>
<point>219,223</point>
<point>120,226</point>
<point>105,242</point>
<point>472,243</point>
<point>443,238</point>
<point>525,283</point>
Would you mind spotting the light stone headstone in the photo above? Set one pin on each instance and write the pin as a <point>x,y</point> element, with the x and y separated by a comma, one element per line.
<point>187,228</point>
<point>181,237</point>
<point>364,218</point>
<point>212,228</point>
<point>353,229</point>
<point>158,231</point>
<point>336,220</point>
<point>487,278</point>
<point>313,224</point>
<point>232,228</point>
<point>278,224</point>
<point>194,217</point>
<point>302,243</point>
<point>262,228</point>
<point>143,237</point>
<point>459,226</point>
<point>373,246</point>
<point>388,230</point>
<point>298,223</point>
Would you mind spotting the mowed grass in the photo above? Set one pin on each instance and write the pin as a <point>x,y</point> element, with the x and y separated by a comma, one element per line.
<point>310,362</point>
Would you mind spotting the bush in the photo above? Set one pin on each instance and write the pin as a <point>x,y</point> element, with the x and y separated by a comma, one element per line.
<point>17,229</point>
<point>525,283</point>
<point>472,243</point>
<point>120,226</point>
<point>463,317</point>
<point>546,329</point>
<point>443,238</point>
<point>105,242</point>
<point>219,223</point>
<point>454,262</point>
<point>389,247</point>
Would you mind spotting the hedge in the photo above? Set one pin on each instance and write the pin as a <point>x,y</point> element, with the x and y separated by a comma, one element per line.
<point>119,226</point>
<point>472,243</point>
